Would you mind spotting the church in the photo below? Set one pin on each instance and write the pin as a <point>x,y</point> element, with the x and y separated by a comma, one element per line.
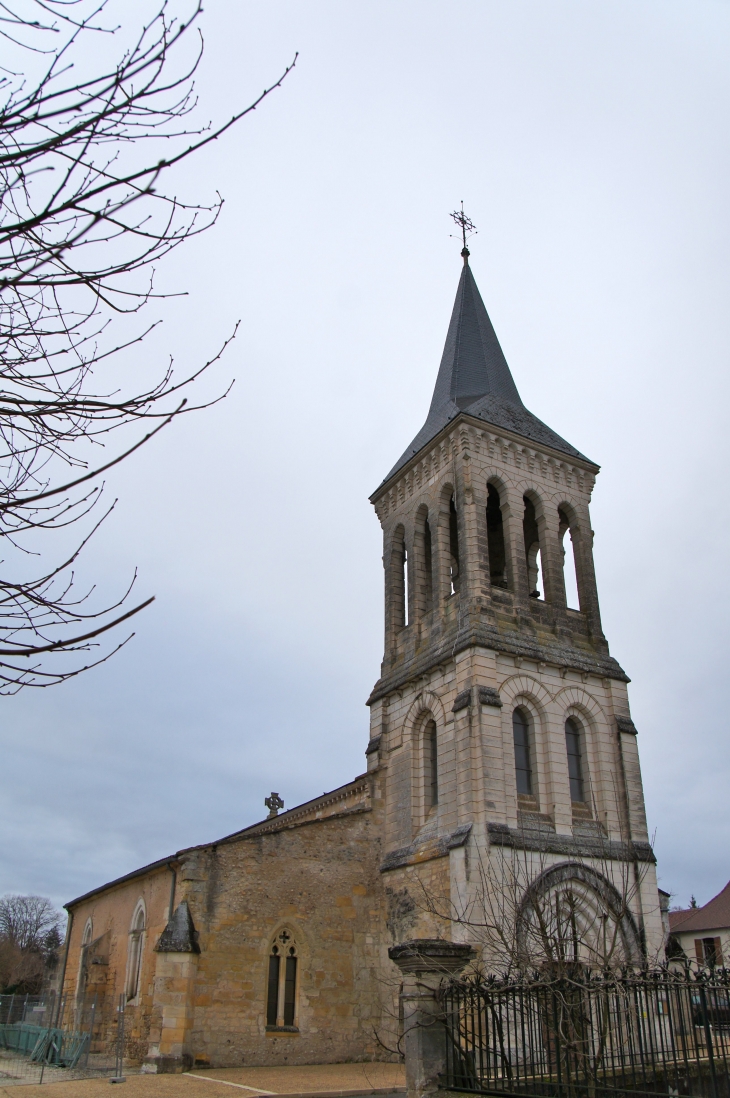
<point>501,804</point>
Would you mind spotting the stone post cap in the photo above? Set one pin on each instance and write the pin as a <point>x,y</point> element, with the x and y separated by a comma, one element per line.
<point>432,955</point>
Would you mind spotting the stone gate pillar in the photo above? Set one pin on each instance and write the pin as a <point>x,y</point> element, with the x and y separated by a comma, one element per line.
<point>426,963</point>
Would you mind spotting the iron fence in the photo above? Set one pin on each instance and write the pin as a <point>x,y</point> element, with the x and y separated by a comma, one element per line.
<point>584,1036</point>
<point>49,1038</point>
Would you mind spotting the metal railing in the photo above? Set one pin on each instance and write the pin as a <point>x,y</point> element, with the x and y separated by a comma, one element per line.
<point>588,1036</point>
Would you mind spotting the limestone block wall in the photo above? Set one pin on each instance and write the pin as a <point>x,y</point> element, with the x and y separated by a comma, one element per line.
<point>105,920</point>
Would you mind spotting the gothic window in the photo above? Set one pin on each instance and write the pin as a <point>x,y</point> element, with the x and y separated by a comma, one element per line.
<point>532,549</point>
<point>570,574</point>
<point>454,547</point>
<point>495,539</point>
<point>281,993</point>
<point>430,760</point>
<point>523,764</point>
<point>405,585</point>
<point>575,759</point>
<point>134,952</point>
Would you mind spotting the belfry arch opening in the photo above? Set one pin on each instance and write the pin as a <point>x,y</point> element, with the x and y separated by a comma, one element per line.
<point>532,550</point>
<point>570,571</point>
<point>399,579</point>
<point>454,560</point>
<point>495,539</point>
<point>423,580</point>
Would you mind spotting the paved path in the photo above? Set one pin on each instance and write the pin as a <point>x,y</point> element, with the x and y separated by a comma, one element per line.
<point>311,1081</point>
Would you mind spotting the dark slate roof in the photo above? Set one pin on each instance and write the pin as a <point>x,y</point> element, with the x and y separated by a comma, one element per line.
<point>715,915</point>
<point>474,378</point>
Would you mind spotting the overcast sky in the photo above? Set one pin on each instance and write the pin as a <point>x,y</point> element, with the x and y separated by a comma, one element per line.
<point>590,143</point>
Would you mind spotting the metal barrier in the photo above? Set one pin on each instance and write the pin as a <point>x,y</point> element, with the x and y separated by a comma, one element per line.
<point>47,1038</point>
<point>587,1036</point>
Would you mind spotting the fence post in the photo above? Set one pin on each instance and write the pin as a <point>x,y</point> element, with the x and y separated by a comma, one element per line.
<point>118,1076</point>
<point>708,1039</point>
<point>425,964</point>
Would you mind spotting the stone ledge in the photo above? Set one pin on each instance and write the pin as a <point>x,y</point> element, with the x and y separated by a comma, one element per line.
<point>570,846</point>
<point>426,849</point>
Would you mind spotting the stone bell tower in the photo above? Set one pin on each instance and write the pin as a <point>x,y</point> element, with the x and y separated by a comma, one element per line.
<point>500,725</point>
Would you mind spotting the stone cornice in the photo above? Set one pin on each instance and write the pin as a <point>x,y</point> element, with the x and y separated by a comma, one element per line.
<point>465,434</point>
<point>516,644</point>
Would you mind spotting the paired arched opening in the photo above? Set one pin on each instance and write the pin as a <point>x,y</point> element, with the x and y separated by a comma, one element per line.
<point>282,983</point>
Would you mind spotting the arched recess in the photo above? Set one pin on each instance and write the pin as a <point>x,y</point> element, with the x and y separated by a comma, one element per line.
<point>572,914</point>
<point>573,701</point>
<point>86,939</point>
<point>570,555</point>
<point>496,534</point>
<point>530,696</point>
<point>423,563</point>
<point>424,727</point>
<point>135,951</point>
<point>533,523</point>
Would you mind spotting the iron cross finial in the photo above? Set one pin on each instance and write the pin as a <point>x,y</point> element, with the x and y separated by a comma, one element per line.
<point>467,226</point>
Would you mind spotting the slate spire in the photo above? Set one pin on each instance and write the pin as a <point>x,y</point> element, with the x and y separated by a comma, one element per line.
<point>474,378</point>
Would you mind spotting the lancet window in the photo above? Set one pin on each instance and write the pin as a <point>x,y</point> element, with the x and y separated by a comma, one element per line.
<point>134,952</point>
<point>573,746</point>
<point>281,994</point>
<point>430,765</point>
<point>523,753</point>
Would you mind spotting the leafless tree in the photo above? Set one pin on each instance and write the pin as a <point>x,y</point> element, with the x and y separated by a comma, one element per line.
<point>83,225</point>
<point>30,935</point>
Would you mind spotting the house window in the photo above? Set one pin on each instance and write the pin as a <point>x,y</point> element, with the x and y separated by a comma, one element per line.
<point>281,994</point>
<point>523,765</point>
<point>134,953</point>
<point>575,761</point>
<point>708,951</point>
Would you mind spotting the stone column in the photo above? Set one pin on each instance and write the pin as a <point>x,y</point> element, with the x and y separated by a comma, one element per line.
<point>426,964</point>
<point>174,988</point>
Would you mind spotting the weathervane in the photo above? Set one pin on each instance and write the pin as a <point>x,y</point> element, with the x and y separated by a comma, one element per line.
<point>467,226</point>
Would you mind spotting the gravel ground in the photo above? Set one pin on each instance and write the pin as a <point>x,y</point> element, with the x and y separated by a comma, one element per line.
<point>312,1080</point>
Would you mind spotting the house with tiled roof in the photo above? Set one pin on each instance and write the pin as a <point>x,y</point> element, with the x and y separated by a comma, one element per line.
<point>703,933</point>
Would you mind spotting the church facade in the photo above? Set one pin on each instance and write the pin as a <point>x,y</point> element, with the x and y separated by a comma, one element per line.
<point>502,803</point>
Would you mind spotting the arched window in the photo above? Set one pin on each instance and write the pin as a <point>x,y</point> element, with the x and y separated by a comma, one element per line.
<point>532,549</point>
<point>134,952</point>
<point>495,539</point>
<point>575,759</point>
<point>430,765</point>
<point>570,574</point>
<point>281,994</point>
<point>523,762</point>
<point>454,548</point>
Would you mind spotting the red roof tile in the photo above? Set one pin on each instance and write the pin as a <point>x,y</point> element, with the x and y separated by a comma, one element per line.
<point>715,915</point>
